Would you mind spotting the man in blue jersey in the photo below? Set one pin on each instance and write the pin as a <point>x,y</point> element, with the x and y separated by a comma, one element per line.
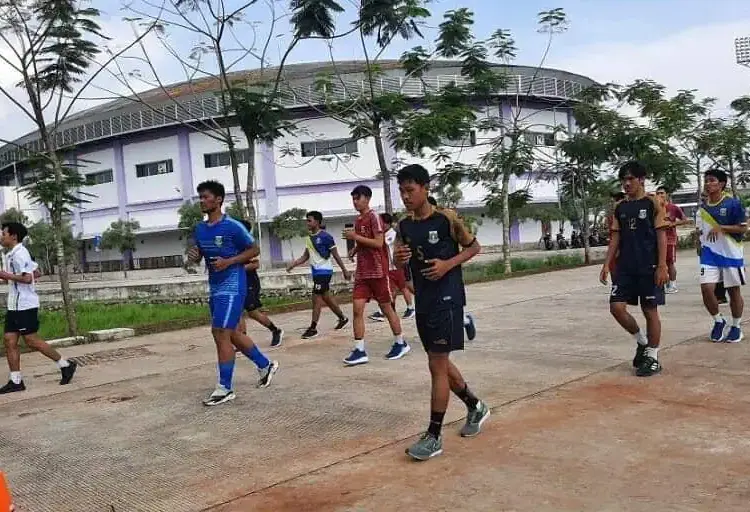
<point>319,248</point>
<point>722,224</point>
<point>226,246</point>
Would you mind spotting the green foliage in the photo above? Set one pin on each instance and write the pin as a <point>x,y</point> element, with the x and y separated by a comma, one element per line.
<point>120,235</point>
<point>14,215</point>
<point>41,245</point>
<point>314,17</point>
<point>289,224</point>
<point>190,216</point>
<point>481,272</point>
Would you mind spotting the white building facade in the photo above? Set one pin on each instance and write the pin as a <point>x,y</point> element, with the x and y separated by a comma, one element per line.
<point>143,166</point>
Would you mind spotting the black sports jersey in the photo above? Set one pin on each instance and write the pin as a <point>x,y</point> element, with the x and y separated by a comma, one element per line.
<point>637,222</point>
<point>253,280</point>
<point>436,237</point>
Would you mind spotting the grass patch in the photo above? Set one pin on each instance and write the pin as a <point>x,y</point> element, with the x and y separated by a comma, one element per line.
<point>480,272</point>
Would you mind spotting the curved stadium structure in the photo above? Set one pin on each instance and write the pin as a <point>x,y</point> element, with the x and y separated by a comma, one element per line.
<point>142,161</point>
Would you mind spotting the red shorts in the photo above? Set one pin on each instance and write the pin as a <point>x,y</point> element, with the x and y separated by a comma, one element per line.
<point>378,289</point>
<point>398,279</point>
<point>671,254</point>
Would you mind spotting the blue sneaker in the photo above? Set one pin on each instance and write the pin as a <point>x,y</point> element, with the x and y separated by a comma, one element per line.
<point>717,333</point>
<point>734,336</point>
<point>356,357</point>
<point>471,330</point>
<point>398,351</point>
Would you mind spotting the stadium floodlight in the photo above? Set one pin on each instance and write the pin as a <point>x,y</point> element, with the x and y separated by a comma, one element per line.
<point>742,50</point>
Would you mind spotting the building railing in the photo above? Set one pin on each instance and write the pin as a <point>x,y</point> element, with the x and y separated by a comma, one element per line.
<point>208,106</point>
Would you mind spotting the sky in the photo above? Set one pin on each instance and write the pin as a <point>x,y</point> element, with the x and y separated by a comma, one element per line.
<point>683,44</point>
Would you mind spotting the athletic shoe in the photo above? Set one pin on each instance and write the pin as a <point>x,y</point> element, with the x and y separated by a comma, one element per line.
<point>717,333</point>
<point>310,333</point>
<point>640,355</point>
<point>735,335</point>
<point>267,373</point>
<point>722,299</point>
<point>471,329</point>
<point>474,420</point>
<point>68,372</point>
<point>356,357</point>
<point>377,316</point>
<point>671,288</point>
<point>409,313</point>
<point>341,323</point>
<point>12,387</point>
<point>398,350</point>
<point>219,396</point>
<point>277,337</point>
<point>427,447</point>
<point>649,367</point>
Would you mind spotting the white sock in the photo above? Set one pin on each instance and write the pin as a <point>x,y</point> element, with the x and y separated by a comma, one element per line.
<point>15,377</point>
<point>359,345</point>
<point>718,318</point>
<point>652,352</point>
<point>640,338</point>
<point>62,363</point>
<point>400,339</point>
<point>467,320</point>
<point>736,322</point>
<point>409,305</point>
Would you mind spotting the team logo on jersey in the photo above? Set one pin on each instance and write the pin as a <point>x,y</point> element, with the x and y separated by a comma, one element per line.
<point>218,241</point>
<point>433,237</point>
<point>642,214</point>
<point>723,212</point>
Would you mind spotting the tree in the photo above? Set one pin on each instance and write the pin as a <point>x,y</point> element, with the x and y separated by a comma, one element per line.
<point>49,49</point>
<point>41,245</point>
<point>14,215</point>
<point>190,216</point>
<point>120,235</point>
<point>288,225</point>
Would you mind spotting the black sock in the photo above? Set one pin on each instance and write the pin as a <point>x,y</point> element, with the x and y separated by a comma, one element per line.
<point>436,423</point>
<point>468,397</point>
<point>271,327</point>
<point>313,325</point>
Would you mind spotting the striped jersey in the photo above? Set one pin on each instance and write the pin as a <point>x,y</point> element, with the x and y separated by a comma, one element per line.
<point>726,250</point>
<point>319,247</point>
<point>225,239</point>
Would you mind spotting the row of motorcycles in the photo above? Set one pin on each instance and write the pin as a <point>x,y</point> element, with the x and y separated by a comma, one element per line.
<point>596,239</point>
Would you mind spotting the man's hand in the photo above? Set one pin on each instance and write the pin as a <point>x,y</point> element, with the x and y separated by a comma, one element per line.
<point>401,255</point>
<point>713,235</point>
<point>604,274</point>
<point>436,269</point>
<point>194,255</point>
<point>662,275</point>
<point>220,264</point>
<point>5,276</point>
<point>290,267</point>
<point>347,275</point>
<point>349,233</point>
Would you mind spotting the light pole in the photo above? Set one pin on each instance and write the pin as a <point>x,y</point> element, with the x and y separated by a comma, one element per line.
<point>742,51</point>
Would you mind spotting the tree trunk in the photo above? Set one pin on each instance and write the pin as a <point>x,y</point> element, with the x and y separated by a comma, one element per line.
<point>731,177</point>
<point>384,169</point>
<point>506,224</point>
<point>235,173</point>
<point>250,187</point>
<point>699,190</point>
<point>586,231</point>
<point>57,224</point>
<point>125,258</point>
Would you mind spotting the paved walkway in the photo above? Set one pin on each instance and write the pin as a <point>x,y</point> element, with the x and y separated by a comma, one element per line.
<point>572,429</point>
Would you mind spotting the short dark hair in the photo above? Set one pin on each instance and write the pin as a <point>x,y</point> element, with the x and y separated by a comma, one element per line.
<point>315,215</point>
<point>414,172</point>
<point>214,187</point>
<point>387,218</point>
<point>634,168</point>
<point>362,190</point>
<point>16,229</point>
<point>432,200</point>
<point>720,175</point>
<point>662,187</point>
<point>618,196</point>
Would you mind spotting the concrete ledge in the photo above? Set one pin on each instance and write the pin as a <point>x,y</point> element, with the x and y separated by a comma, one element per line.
<point>111,334</point>
<point>68,342</point>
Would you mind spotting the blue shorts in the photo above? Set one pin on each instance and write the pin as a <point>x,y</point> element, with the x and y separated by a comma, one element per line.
<point>226,310</point>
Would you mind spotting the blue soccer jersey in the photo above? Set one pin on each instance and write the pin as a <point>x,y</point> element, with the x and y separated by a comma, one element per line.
<point>319,247</point>
<point>727,250</point>
<point>225,239</point>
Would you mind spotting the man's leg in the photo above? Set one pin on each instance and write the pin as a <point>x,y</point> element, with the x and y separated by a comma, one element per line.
<point>383,294</point>
<point>431,443</point>
<point>13,355</point>
<point>277,335</point>
<point>225,365</point>
<point>650,365</point>
<point>409,299</point>
<point>623,292</point>
<point>317,306</point>
<point>360,296</point>
<point>709,277</point>
<point>266,368</point>
<point>672,269</point>
<point>734,278</point>
<point>330,301</point>
<point>67,368</point>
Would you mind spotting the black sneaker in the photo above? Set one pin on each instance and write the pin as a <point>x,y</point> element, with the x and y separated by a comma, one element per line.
<point>277,337</point>
<point>12,387</point>
<point>267,373</point>
<point>68,372</point>
<point>649,367</point>
<point>310,333</point>
<point>640,355</point>
<point>341,323</point>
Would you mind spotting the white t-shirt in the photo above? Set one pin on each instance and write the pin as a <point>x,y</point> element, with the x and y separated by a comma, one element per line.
<point>21,296</point>
<point>390,241</point>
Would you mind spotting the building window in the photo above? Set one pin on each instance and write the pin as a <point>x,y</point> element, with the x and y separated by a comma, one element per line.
<point>153,168</point>
<point>222,159</point>
<point>540,139</point>
<point>99,178</point>
<point>466,142</point>
<point>329,147</point>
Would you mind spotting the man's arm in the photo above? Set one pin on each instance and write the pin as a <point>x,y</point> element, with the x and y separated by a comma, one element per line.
<point>253,265</point>
<point>299,261</point>
<point>468,242</point>
<point>245,256</point>
<point>24,278</point>
<point>337,258</point>
<point>370,243</point>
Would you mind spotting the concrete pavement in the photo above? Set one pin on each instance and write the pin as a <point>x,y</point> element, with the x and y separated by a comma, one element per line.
<point>571,430</point>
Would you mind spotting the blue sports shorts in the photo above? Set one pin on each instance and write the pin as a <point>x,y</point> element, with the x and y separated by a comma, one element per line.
<point>226,310</point>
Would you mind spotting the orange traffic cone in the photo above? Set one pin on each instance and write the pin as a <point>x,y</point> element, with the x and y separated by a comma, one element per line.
<point>5,502</point>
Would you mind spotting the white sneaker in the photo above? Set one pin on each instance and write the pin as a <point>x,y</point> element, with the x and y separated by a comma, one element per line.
<point>671,288</point>
<point>219,396</point>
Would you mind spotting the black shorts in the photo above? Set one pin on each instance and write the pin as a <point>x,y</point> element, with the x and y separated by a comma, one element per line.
<point>441,330</point>
<point>635,289</point>
<point>252,299</point>
<point>22,322</point>
<point>321,284</point>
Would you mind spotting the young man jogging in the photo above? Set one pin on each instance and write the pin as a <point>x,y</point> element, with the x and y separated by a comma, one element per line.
<point>435,243</point>
<point>22,317</point>
<point>639,240</point>
<point>675,217</point>
<point>396,275</point>
<point>722,224</point>
<point>252,299</point>
<point>371,279</point>
<point>319,248</point>
<point>227,246</point>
